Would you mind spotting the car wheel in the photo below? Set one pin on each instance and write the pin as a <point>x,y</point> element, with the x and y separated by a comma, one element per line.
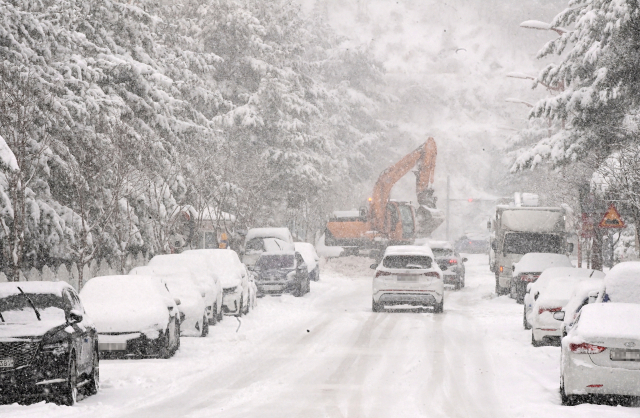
<point>241,307</point>
<point>165,344</point>
<point>247,305</point>
<point>205,326</point>
<point>376,307</point>
<point>513,292</point>
<point>568,400</point>
<point>298,292</point>
<point>439,308</point>
<point>308,285</point>
<point>534,342</point>
<point>462,281</point>
<point>498,288</point>
<point>94,380</point>
<point>525,323</point>
<point>214,315</point>
<point>69,395</point>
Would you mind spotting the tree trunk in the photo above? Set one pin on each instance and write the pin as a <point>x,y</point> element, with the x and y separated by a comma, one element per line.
<point>596,250</point>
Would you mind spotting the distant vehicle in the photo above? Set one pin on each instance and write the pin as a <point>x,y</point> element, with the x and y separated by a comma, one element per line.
<point>547,328</point>
<point>311,259</point>
<point>450,262</point>
<point>408,275</point>
<point>472,244</point>
<point>260,240</point>
<point>134,315</point>
<point>600,354</point>
<point>622,284</point>
<point>534,289</point>
<point>516,231</point>
<point>529,268</point>
<point>183,287</point>
<point>586,292</point>
<point>231,274</point>
<point>48,345</point>
<point>282,272</point>
<point>202,271</point>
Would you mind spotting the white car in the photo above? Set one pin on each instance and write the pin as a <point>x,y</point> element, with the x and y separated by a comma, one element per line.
<point>622,283</point>
<point>529,268</point>
<point>311,259</point>
<point>601,353</point>
<point>134,315</point>
<point>408,275</point>
<point>547,276</point>
<point>182,287</point>
<point>585,292</point>
<point>202,272</point>
<point>547,328</point>
<point>232,276</point>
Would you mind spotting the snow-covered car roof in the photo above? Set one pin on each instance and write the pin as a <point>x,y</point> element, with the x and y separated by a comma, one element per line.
<point>622,282</point>
<point>608,320</point>
<point>538,262</point>
<point>308,253</point>
<point>35,287</point>
<point>408,250</point>
<point>280,233</point>
<point>580,292</point>
<point>558,292</point>
<point>225,263</point>
<point>276,244</point>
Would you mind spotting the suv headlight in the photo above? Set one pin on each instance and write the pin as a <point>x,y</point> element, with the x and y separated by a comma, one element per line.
<point>229,290</point>
<point>56,349</point>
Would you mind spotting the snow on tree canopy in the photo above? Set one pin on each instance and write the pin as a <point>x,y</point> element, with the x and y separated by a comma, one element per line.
<point>622,283</point>
<point>7,158</point>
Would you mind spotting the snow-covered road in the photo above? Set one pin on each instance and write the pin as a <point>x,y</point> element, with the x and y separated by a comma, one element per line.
<point>328,355</point>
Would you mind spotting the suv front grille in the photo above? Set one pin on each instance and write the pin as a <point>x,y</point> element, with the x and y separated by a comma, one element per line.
<point>22,353</point>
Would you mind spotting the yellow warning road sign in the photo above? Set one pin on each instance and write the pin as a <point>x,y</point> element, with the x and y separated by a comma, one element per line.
<point>611,219</point>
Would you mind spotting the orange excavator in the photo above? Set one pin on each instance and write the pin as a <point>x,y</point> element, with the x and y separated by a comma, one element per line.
<point>390,222</point>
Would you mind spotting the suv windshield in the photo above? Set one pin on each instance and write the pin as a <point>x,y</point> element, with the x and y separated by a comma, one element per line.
<point>16,308</point>
<point>255,244</point>
<point>407,262</point>
<point>269,262</point>
<point>529,242</point>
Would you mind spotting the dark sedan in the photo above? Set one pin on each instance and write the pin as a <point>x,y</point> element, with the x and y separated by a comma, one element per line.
<point>48,349</point>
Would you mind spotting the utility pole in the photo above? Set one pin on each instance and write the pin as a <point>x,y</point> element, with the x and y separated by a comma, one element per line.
<point>448,205</point>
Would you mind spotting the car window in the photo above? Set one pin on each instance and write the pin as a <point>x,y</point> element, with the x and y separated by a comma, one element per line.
<point>406,261</point>
<point>255,244</point>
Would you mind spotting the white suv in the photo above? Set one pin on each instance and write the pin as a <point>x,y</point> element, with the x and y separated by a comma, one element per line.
<point>408,275</point>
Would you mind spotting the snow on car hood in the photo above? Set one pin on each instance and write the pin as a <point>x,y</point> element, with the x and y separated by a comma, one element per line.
<point>24,323</point>
<point>126,318</point>
<point>538,262</point>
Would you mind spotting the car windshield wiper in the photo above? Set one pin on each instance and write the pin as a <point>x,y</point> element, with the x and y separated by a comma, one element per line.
<point>1,317</point>
<point>30,303</point>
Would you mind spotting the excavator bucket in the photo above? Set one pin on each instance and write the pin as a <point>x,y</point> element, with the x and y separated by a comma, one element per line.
<point>427,220</point>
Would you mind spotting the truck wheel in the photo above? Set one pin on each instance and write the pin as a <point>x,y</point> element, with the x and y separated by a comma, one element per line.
<point>498,289</point>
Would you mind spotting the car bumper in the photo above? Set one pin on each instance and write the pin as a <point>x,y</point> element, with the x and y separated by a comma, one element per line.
<point>451,279</point>
<point>583,377</point>
<point>549,335</point>
<point>415,298</point>
<point>276,288</point>
<point>128,345</point>
<point>231,302</point>
<point>41,378</point>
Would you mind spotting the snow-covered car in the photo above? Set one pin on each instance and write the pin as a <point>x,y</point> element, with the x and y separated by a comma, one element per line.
<point>408,275</point>
<point>257,246</point>
<point>194,322</point>
<point>253,289</point>
<point>622,283</point>
<point>546,327</point>
<point>534,289</point>
<point>584,293</point>
<point>282,272</point>
<point>450,262</point>
<point>48,345</point>
<point>134,315</point>
<point>529,268</point>
<point>601,353</point>
<point>311,259</point>
<point>202,272</point>
<point>472,243</point>
<point>232,276</point>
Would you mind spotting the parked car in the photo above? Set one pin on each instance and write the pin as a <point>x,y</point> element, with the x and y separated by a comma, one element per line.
<point>232,276</point>
<point>134,316</point>
<point>529,268</point>
<point>48,345</point>
<point>534,289</point>
<point>546,327</point>
<point>182,286</point>
<point>253,288</point>
<point>202,272</point>
<point>282,272</point>
<point>254,248</point>
<point>450,262</point>
<point>472,244</point>
<point>408,275</point>
<point>585,292</point>
<point>622,283</point>
<point>600,354</point>
<point>311,259</point>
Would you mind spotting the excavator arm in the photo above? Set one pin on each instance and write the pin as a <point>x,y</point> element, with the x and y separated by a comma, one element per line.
<point>424,159</point>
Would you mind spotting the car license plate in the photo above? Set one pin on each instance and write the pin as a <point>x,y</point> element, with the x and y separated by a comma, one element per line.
<point>272,287</point>
<point>621,354</point>
<point>6,362</point>
<point>112,346</point>
<point>407,278</point>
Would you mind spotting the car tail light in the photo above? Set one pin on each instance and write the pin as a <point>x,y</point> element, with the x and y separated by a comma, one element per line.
<point>383,273</point>
<point>453,261</point>
<point>549,310</point>
<point>432,274</point>
<point>595,386</point>
<point>528,278</point>
<point>586,348</point>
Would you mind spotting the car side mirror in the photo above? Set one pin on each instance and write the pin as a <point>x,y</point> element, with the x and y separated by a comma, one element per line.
<point>75,316</point>
<point>373,266</point>
<point>529,287</point>
<point>559,316</point>
<point>464,260</point>
<point>593,296</point>
<point>177,301</point>
<point>535,297</point>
